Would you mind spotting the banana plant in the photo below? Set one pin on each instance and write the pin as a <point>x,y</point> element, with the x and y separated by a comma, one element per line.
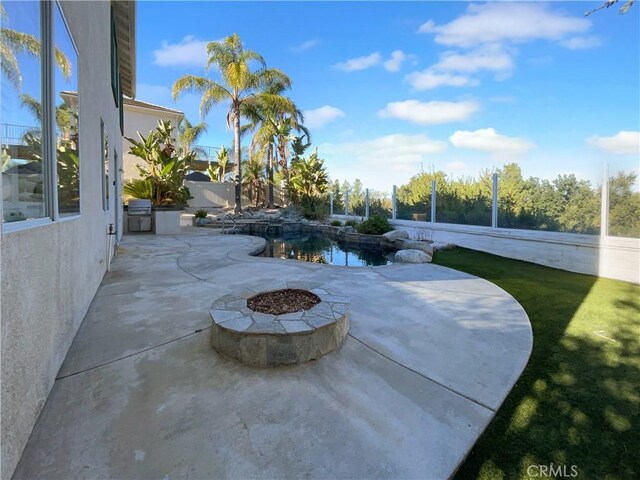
<point>164,166</point>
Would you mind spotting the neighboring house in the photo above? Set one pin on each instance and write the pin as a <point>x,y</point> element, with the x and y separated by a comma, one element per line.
<point>142,117</point>
<point>61,188</point>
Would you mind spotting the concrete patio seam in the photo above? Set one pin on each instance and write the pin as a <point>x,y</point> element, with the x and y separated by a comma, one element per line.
<point>153,347</point>
<point>477,402</point>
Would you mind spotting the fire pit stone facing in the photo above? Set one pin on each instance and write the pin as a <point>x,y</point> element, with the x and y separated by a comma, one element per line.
<point>265,340</point>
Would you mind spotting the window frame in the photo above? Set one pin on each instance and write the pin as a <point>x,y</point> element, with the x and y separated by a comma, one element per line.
<point>46,181</point>
<point>115,68</point>
<point>49,124</point>
<point>51,103</point>
<point>103,164</point>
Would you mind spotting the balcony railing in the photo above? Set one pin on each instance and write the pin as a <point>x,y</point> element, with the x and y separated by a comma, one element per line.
<point>14,134</point>
<point>206,153</point>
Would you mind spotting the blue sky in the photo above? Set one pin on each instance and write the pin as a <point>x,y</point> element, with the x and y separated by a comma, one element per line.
<point>389,88</point>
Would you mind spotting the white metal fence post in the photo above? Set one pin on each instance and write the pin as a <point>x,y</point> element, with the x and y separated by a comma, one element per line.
<point>604,207</point>
<point>393,206</point>
<point>366,203</point>
<point>494,202</point>
<point>433,201</point>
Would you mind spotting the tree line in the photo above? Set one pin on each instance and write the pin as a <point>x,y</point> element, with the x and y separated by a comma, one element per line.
<point>564,204</point>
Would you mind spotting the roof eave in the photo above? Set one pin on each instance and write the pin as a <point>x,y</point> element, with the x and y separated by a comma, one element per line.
<point>125,19</point>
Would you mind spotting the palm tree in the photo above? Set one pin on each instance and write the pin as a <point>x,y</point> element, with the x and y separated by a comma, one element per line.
<point>273,124</point>
<point>188,135</point>
<point>284,133</point>
<point>240,86</point>
<point>254,179</point>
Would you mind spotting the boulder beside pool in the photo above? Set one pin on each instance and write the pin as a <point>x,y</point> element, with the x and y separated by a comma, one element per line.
<point>395,235</point>
<point>412,256</point>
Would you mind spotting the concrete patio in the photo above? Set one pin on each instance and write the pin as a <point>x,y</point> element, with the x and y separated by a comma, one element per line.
<point>430,356</point>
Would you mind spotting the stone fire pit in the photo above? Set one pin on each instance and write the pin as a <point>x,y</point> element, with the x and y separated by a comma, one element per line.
<point>267,340</point>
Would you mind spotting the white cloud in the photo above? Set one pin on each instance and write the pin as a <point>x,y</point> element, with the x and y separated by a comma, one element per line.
<point>489,57</point>
<point>189,52</point>
<point>429,113</point>
<point>398,152</point>
<point>454,68</point>
<point>319,117</point>
<point>622,142</point>
<point>429,79</point>
<point>305,46</point>
<point>359,63</point>
<point>395,62</point>
<point>580,43</point>
<point>498,22</point>
<point>488,140</point>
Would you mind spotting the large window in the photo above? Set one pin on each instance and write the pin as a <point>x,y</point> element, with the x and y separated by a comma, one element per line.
<point>24,184</point>
<point>40,163</point>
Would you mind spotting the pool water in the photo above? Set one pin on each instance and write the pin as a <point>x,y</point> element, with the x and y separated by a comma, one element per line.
<point>320,249</point>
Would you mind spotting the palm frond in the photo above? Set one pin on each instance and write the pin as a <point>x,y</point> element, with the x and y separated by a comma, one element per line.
<point>63,63</point>
<point>191,83</point>
<point>9,66</point>
<point>273,76</point>
<point>215,94</point>
<point>31,104</point>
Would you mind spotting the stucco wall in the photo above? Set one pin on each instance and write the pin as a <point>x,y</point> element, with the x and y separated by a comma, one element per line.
<point>50,273</point>
<point>610,257</point>
<point>214,194</point>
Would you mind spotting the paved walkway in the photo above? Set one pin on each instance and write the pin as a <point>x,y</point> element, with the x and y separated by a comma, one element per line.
<point>431,355</point>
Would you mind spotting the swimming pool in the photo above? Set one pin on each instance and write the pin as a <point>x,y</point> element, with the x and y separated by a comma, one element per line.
<point>320,249</point>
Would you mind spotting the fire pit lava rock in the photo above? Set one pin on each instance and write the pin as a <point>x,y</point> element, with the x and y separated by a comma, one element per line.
<point>304,322</point>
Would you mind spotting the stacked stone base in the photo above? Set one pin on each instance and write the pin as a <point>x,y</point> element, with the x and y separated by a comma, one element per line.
<point>261,340</point>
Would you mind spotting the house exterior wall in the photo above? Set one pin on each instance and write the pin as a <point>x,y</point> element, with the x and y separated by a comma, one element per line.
<point>143,120</point>
<point>214,194</point>
<point>51,272</point>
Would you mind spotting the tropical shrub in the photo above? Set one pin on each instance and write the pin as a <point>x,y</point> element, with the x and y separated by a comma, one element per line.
<point>164,166</point>
<point>308,186</point>
<point>218,173</point>
<point>201,214</point>
<point>315,207</point>
<point>336,223</point>
<point>376,225</point>
<point>139,188</point>
<point>351,223</point>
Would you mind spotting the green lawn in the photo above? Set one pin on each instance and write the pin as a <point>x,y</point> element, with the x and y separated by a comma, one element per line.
<point>578,400</point>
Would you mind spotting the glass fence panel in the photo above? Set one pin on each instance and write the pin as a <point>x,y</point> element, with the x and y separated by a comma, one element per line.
<point>624,200</point>
<point>565,203</point>
<point>380,204</point>
<point>414,200</point>
<point>419,210</point>
<point>464,202</point>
